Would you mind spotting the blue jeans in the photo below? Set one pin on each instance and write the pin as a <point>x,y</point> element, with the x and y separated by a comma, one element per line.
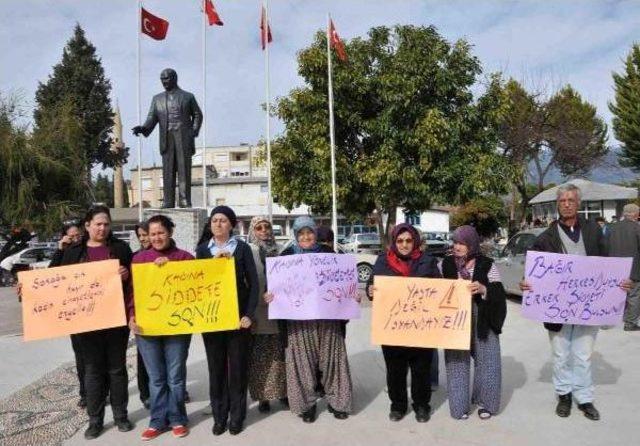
<point>572,348</point>
<point>165,358</point>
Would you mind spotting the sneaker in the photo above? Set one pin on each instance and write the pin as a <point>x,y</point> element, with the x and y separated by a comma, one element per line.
<point>589,411</point>
<point>93,431</point>
<point>150,433</point>
<point>180,431</point>
<point>563,409</point>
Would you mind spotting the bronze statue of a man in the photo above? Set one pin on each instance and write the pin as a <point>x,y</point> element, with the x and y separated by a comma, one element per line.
<point>180,118</point>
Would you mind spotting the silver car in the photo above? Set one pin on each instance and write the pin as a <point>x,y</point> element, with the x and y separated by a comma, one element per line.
<point>510,260</point>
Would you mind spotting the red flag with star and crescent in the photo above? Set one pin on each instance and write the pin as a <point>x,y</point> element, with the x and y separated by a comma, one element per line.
<point>153,26</point>
<point>212,14</point>
<point>336,43</point>
<point>263,23</point>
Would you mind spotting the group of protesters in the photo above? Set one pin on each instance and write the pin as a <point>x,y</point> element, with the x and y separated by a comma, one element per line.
<point>294,363</point>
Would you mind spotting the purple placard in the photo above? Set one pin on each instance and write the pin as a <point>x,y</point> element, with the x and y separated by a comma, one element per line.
<point>570,289</point>
<point>313,286</point>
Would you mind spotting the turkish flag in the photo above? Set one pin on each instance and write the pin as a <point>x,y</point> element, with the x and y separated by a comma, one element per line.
<point>263,24</point>
<point>212,14</point>
<point>152,26</point>
<point>336,42</point>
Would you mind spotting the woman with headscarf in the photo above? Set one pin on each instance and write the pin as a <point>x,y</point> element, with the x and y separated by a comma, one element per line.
<point>489,310</point>
<point>314,346</point>
<point>228,351</point>
<point>267,372</point>
<point>403,258</point>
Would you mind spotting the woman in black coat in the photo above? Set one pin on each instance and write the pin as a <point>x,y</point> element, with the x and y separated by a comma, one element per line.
<point>228,351</point>
<point>404,258</point>
<point>104,351</point>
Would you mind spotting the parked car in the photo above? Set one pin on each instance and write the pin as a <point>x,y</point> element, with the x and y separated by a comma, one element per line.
<point>356,243</point>
<point>23,260</point>
<point>436,243</point>
<point>510,260</point>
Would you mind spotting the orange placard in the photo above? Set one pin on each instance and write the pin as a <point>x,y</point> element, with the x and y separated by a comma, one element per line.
<point>71,299</point>
<point>420,312</point>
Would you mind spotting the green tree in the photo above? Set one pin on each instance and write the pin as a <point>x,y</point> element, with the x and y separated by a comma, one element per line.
<point>626,110</point>
<point>408,130</point>
<point>537,134</point>
<point>39,185</point>
<point>79,80</point>
<point>104,190</point>
<point>486,214</point>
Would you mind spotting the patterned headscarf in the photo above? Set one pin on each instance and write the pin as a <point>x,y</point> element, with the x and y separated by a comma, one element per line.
<point>466,235</point>
<point>304,221</point>
<point>268,247</point>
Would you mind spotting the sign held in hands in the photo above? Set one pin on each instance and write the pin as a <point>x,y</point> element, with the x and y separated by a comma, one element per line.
<point>187,296</point>
<point>313,286</point>
<point>421,312</point>
<point>571,289</point>
<point>71,299</point>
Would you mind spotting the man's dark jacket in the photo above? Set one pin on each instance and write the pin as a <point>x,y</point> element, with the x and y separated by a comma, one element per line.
<point>549,241</point>
<point>624,241</point>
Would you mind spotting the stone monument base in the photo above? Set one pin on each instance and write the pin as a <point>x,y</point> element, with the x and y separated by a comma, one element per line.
<point>189,223</point>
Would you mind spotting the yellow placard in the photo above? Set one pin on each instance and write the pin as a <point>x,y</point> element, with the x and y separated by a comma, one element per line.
<point>421,312</point>
<point>71,299</point>
<point>190,296</point>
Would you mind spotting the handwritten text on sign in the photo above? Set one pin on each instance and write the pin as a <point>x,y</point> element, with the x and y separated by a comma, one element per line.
<point>570,289</point>
<point>189,296</point>
<point>313,286</point>
<point>420,312</point>
<point>71,299</point>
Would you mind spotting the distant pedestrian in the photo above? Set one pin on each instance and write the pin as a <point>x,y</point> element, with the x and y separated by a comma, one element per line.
<point>142,233</point>
<point>603,225</point>
<point>624,241</point>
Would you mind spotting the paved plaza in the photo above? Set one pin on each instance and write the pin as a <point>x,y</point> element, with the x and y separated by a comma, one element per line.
<point>38,392</point>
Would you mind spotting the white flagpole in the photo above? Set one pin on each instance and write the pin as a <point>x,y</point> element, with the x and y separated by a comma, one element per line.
<point>205,201</point>
<point>138,25</point>
<point>334,206</point>
<point>265,37</point>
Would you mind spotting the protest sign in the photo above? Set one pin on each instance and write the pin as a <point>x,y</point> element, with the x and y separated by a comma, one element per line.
<point>71,299</point>
<point>190,296</point>
<point>313,286</point>
<point>421,312</point>
<point>570,289</point>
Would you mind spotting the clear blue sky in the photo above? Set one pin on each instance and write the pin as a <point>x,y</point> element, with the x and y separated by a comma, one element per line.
<point>543,43</point>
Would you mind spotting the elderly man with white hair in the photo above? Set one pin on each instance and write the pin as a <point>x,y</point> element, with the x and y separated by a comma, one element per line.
<point>572,345</point>
<point>624,241</point>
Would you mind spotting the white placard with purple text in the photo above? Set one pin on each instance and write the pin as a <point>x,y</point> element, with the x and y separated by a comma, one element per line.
<point>313,286</point>
<point>571,289</point>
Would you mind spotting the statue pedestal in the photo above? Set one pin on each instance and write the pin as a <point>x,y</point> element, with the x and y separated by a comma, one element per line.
<point>189,224</point>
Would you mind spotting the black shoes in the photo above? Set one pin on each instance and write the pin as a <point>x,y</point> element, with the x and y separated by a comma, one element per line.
<point>337,414</point>
<point>589,411</point>
<point>396,415</point>
<point>563,409</point>
<point>124,425</point>
<point>423,414</point>
<point>264,407</point>
<point>93,431</point>
<point>310,415</point>
<point>235,429</point>
<point>219,429</point>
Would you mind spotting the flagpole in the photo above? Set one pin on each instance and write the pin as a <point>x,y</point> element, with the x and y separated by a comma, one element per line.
<point>334,206</point>
<point>139,24</point>
<point>205,201</point>
<point>265,39</point>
